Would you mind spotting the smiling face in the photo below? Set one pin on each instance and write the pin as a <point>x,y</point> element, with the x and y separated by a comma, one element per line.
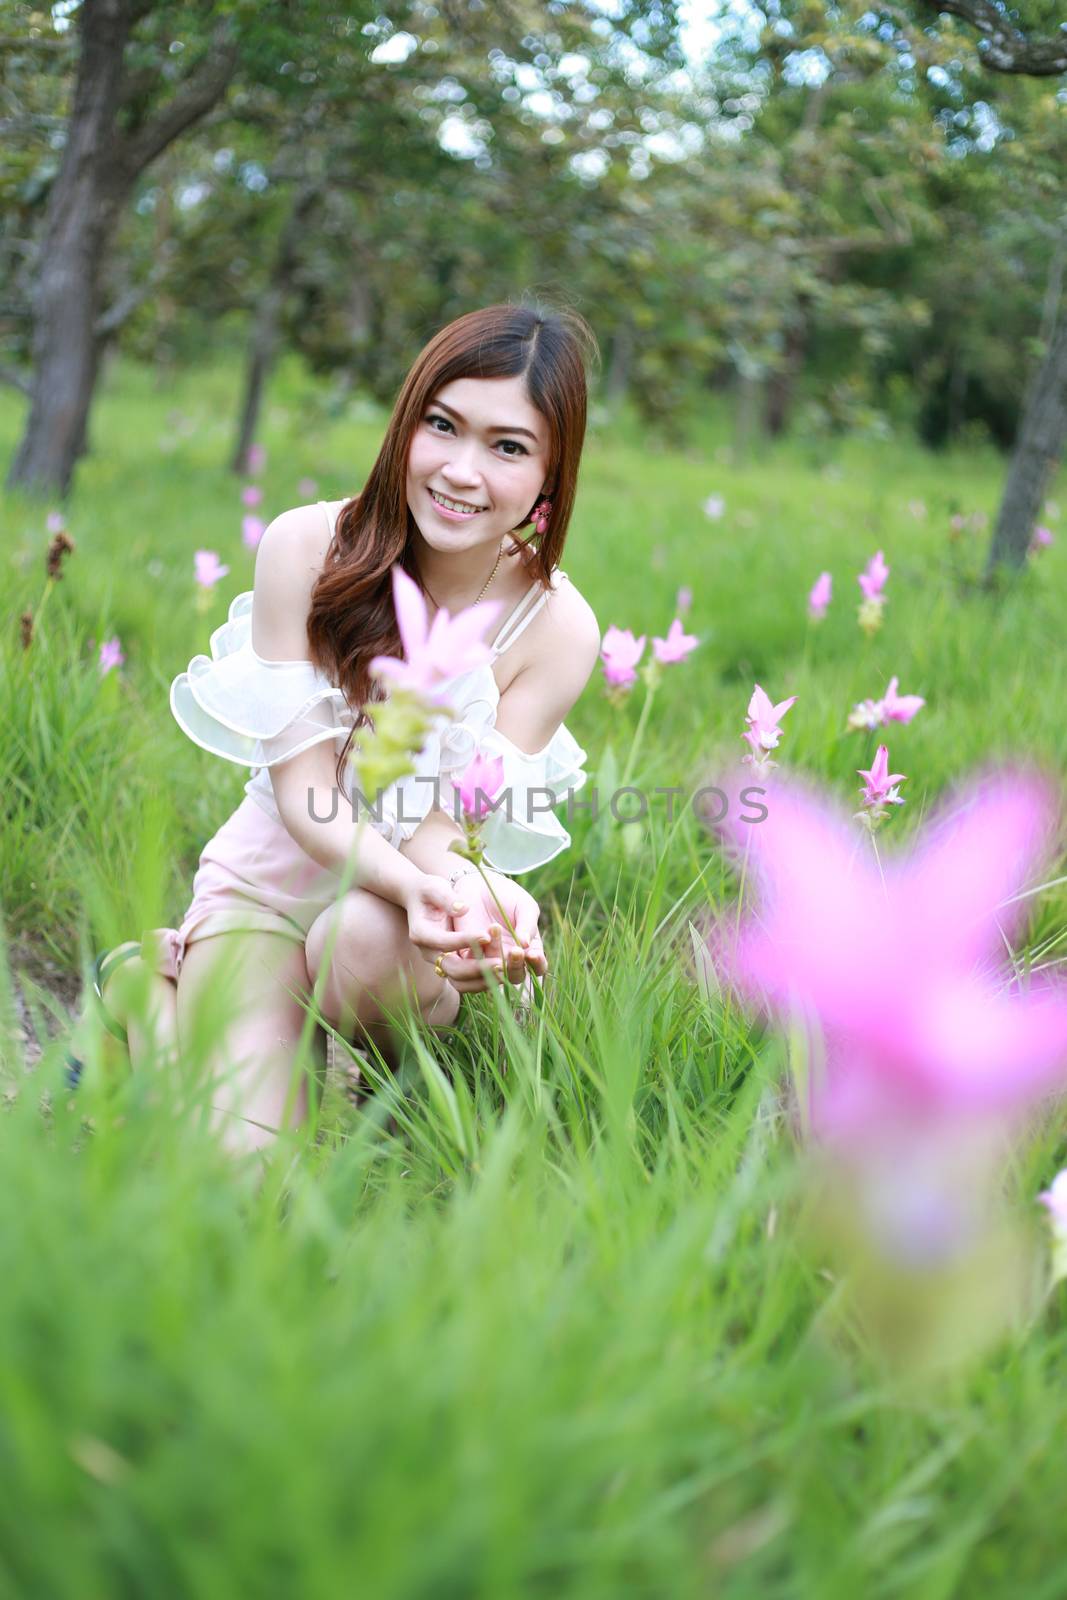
<point>480,443</point>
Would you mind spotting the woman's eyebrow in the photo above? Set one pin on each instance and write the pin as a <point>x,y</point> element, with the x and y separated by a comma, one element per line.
<point>498,427</point>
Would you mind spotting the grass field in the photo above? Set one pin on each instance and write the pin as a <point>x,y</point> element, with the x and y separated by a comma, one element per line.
<point>550,1330</point>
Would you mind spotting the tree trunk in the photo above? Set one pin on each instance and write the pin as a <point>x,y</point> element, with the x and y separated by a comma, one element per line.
<point>263,343</point>
<point>1038,449</point>
<point>99,168</point>
<point>781,383</point>
<point>618,376</point>
<point>82,209</point>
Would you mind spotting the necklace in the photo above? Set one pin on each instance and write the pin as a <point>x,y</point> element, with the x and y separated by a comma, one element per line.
<point>488,580</point>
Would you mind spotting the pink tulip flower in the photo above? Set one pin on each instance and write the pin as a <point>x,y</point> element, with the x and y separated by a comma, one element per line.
<point>676,646</point>
<point>620,652</point>
<point>434,654</point>
<point>820,596</point>
<point>901,970</point>
<point>880,789</point>
<point>110,656</point>
<point>1041,538</point>
<point>872,579</point>
<point>257,458</point>
<point>251,495</point>
<point>714,507</point>
<point>480,785</point>
<point>683,600</point>
<point>208,568</point>
<point>763,718</point>
<point>900,707</point>
<point>252,531</point>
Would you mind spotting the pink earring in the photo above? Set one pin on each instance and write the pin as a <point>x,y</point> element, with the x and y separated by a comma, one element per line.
<point>540,514</point>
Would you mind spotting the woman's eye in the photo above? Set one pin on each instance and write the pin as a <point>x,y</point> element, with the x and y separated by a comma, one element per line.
<point>521,448</point>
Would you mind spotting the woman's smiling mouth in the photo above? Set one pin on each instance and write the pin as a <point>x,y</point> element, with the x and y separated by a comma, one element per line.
<point>454,508</point>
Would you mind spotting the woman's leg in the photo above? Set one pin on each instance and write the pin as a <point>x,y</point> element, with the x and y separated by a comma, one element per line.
<point>236,987</point>
<point>373,962</point>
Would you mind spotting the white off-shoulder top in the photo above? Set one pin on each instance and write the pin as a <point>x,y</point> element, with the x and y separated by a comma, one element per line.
<point>259,713</point>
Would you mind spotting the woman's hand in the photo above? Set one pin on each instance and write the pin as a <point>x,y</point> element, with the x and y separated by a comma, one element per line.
<point>507,956</point>
<point>430,906</point>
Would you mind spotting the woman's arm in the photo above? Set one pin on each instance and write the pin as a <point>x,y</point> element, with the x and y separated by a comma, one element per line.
<point>288,562</point>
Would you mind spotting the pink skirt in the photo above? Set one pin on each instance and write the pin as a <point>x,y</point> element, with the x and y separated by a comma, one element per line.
<point>252,875</point>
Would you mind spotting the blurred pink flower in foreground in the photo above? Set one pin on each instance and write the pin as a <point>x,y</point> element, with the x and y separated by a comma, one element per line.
<point>207,568</point>
<point>483,774</point>
<point>110,656</point>
<point>714,506</point>
<point>902,969</point>
<point>683,600</point>
<point>880,788</point>
<point>437,653</point>
<point>1041,538</point>
<point>763,731</point>
<point>676,646</point>
<point>251,495</point>
<point>252,531</point>
<point>620,652</point>
<point>820,596</point>
<point>892,707</point>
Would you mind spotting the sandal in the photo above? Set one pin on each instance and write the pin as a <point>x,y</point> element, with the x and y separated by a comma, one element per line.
<point>103,967</point>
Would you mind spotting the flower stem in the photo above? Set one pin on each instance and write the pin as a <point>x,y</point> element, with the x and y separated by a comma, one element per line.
<point>638,733</point>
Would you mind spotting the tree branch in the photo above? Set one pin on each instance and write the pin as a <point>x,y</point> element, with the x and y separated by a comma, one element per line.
<point>196,96</point>
<point>1006,48</point>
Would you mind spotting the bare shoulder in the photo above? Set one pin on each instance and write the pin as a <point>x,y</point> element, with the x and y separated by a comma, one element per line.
<point>567,630</point>
<point>289,559</point>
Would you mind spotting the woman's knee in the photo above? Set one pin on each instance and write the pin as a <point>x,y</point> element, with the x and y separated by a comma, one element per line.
<point>372,955</point>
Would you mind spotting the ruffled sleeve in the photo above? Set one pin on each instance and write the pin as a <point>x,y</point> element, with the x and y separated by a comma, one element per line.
<point>253,712</point>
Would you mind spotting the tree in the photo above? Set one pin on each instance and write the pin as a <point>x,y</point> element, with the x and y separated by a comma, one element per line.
<point>119,123</point>
<point>1039,444</point>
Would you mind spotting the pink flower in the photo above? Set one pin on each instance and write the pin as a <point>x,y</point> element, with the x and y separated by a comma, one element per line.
<point>820,596</point>
<point>620,652</point>
<point>207,568</point>
<point>867,714</point>
<point>763,718</point>
<point>110,656</point>
<point>714,506</point>
<point>308,488</point>
<point>252,531</point>
<point>900,707</point>
<point>901,969</point>
<point>436,654</point>
<point>257,458</point>
<point>880,790</point>
<point>676,646</point>
<point>55,522</point>
<point>480,785</point>
<point>683,601</point>
<point>872,579</point>
<point>1041,539</point>
<point>251,495</point>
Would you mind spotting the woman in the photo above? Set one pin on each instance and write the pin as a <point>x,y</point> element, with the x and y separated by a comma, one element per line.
<point>486,435</point>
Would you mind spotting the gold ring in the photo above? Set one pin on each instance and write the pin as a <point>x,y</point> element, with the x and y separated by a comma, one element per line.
<point>437,966</point>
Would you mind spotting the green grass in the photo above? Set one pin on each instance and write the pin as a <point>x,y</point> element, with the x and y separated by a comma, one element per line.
<point>552,1330</point>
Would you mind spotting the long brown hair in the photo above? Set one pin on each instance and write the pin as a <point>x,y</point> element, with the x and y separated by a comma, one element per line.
<point>351,616</point>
